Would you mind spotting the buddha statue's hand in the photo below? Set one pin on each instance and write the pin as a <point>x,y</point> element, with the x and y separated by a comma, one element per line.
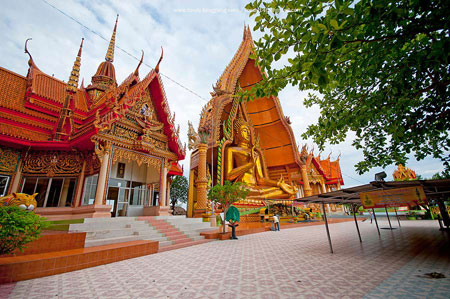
<point>285,187</point>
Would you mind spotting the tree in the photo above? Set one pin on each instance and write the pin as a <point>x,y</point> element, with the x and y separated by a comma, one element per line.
<point>378,68</point>
<point>178,191</point>
<point>18,227</point>
<point>227,194</point>
<point>441,176</point>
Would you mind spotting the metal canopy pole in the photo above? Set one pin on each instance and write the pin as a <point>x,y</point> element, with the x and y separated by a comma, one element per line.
<point>396,215</point>
<point>376,222</point>
<point>388,217</point>
<point>326,225</point>
<point>356,222</point>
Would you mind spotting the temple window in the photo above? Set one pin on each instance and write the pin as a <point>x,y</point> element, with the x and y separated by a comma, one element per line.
<point>90,188</point>
<point>52,192</point>
<point>4,183</point>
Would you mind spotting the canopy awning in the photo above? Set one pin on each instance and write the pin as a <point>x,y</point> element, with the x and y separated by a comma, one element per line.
<point>433,189</point>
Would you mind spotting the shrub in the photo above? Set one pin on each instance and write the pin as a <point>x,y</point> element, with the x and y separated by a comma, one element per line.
<point>18,227</point>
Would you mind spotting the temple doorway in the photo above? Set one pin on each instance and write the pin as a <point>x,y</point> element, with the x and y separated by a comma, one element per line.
<point>131,188</point>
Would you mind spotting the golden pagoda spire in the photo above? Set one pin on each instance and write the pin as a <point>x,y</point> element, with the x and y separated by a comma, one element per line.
<point>72,84</point>
<point>110,54</point>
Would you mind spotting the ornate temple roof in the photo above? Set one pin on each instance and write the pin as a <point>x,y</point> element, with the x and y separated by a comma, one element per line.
<point>276,137</point>
<point>30,106</point>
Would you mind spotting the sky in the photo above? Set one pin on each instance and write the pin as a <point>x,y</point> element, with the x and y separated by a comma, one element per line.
<point>199,40</point>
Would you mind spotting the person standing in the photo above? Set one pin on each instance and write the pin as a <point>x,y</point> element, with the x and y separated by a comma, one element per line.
<point>276,222</point>
<point>371,216</point>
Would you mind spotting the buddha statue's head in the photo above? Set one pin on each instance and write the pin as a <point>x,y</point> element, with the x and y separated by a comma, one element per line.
<point>242,131</point>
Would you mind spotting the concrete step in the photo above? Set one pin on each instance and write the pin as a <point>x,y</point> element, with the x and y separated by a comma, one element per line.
<point>197,238</point>
<point>91,243</point>
<point>179,241</point>
<point>115,220</point>
<point>97,226</point>
<point>165,243</point>
<point>178,218</point>
<point>185,220</point>
<point>193,226</point>
<point>182,245</point>
<point>111,233</point>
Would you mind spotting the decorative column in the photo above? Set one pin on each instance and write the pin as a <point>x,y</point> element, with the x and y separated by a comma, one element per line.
<point>169,184</point>
<point>16,178</point>
<point>103,176</point>
<point>306,186</point>
<point>163,186</point>
<point>80,183</point>
<point>202,180</point>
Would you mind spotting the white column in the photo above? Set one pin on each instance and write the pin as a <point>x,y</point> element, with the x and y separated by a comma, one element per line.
<point>102,178</point>
<point>168,193</point>
<point>163,186</point>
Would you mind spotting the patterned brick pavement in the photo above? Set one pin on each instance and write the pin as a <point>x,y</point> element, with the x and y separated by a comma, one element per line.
<point>292,263</point>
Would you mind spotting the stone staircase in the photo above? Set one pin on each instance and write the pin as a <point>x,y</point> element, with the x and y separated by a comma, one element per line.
<point>171,232</point>
<point>182,231</point>
<point>103,231</point>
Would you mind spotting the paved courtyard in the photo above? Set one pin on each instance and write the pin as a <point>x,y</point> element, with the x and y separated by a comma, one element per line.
<point>292,263</point>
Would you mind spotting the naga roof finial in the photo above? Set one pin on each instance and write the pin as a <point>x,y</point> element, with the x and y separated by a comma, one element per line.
<point>159,61</point>
<point>136,72</point>
<point>27,52</point>
<point>110,53</point>
<point>72,84</point>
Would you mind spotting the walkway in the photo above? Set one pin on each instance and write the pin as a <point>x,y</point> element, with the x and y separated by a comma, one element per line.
<point>292,263</point>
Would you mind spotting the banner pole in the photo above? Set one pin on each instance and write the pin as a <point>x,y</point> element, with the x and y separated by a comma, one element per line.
<point>356,222</point>
<point>396,215</point>
<point>326,225</point>
<point>389,220</point>
<point>375,217</point>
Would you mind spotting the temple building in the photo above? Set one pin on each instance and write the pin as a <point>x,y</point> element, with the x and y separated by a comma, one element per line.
<point>252,142</point>
<point>104,150</point>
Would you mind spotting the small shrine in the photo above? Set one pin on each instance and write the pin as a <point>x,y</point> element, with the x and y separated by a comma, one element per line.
<point>403,173</point>
<point>108,149</point>
<point>252,143</point>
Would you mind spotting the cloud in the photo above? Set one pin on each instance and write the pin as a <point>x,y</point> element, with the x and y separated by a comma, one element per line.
<point>199,40</point>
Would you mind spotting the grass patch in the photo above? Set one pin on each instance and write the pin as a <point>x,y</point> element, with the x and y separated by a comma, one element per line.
<point>62,225</point>
<point>70,221</point>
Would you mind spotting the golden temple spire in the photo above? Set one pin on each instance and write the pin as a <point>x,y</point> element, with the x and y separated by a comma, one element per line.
<point>110,54</point>
<point>72,84</point>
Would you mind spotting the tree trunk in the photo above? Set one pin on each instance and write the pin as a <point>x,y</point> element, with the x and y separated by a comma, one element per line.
<point>173,207</point>
<point>224,219</point>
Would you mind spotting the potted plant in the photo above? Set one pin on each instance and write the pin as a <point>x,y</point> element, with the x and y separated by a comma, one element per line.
<point>227,194</point>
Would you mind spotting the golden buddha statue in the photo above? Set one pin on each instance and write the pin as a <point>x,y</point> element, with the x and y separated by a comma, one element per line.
<point>243,163</point>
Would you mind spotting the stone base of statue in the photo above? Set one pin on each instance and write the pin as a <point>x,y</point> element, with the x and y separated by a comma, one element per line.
<point>198,213</point>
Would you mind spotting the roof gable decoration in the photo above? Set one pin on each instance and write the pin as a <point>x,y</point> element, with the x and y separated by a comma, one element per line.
<point>48,92</point>
<point>130,92</point>
<point>65,126</point>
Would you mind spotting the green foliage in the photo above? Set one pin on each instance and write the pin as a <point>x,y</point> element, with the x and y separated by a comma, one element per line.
<point>178,190</point>
<point>380,69</point>
<point>18,227</point>
<point>228,193</point>
<point>233,215</point>
<point>441,176</point>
